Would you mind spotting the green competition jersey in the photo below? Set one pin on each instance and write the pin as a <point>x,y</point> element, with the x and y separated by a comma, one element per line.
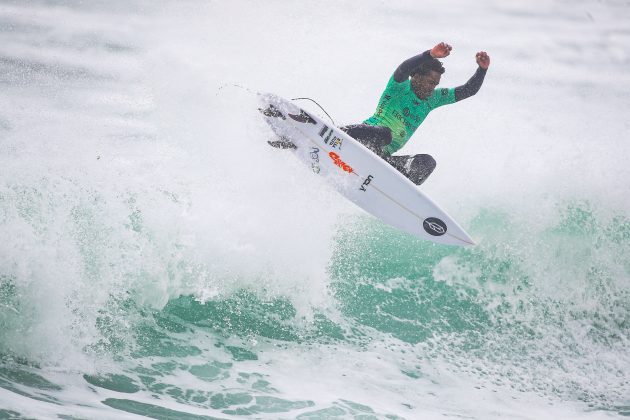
<point>402,111</point>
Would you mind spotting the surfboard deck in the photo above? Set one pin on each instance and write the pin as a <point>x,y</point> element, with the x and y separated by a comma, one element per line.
<point>359,174</point>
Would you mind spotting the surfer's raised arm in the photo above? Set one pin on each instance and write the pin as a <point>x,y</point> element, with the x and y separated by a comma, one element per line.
<point>474,83</point>
<point>411,93</point>
<point>404,71</point>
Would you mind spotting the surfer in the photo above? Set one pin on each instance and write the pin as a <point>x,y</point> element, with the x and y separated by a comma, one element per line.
<point>408,98</point>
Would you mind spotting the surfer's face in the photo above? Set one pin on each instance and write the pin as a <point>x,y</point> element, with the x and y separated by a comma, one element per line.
<point>423,84</point>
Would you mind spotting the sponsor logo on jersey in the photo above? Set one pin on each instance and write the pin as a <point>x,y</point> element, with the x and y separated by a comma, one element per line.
<point>303,118</point>
<point>434,226</point>
<point>444,91</point>
<point>408,114</point>
<point>402,119</point>
<point>337,161</point>
<point>366,182</point>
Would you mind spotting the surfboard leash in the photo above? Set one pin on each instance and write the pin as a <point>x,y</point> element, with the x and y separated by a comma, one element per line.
<point>320,107</point>
<point>224,85</point>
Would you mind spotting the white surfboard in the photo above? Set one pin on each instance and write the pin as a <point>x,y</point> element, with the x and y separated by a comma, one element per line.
<point>360,175</point>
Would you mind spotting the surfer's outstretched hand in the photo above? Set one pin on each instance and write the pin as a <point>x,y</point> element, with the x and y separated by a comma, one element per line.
<point>441,50</point>
<point>483,59</point>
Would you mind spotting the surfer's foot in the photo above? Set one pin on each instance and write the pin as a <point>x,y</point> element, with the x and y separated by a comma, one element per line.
<point>416,168</point>
<point>283,143</point>
<point>420,168</point>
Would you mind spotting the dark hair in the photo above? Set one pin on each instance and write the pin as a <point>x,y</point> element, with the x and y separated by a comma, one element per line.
<point>432,65</point>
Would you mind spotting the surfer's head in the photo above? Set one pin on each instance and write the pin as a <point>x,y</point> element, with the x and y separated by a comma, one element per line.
<point>426,77</point>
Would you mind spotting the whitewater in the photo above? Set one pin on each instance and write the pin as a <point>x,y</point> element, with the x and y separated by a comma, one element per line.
<point>159,260</point>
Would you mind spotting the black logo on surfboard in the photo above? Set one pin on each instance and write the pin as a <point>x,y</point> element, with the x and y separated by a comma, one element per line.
<point>366,182</point>
<point>434,226</point>
<point>303,118</point>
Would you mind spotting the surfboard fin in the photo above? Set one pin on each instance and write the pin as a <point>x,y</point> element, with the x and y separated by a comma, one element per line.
<point>283,143</point>
<point>272,111</point>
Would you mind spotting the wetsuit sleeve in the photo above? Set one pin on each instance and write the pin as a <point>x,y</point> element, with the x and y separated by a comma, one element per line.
<point>472,86</point>
<point>403,71</point>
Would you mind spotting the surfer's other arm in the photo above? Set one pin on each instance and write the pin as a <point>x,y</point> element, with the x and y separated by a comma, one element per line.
<point>409,66</point>
<point>473,85</point>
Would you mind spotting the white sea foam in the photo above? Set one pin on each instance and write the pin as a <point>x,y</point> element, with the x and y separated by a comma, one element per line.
<point>128,169</point>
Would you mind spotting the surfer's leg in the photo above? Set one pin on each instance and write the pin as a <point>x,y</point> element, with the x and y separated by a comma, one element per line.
<point>417,168</point>
<point>373,137</point>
